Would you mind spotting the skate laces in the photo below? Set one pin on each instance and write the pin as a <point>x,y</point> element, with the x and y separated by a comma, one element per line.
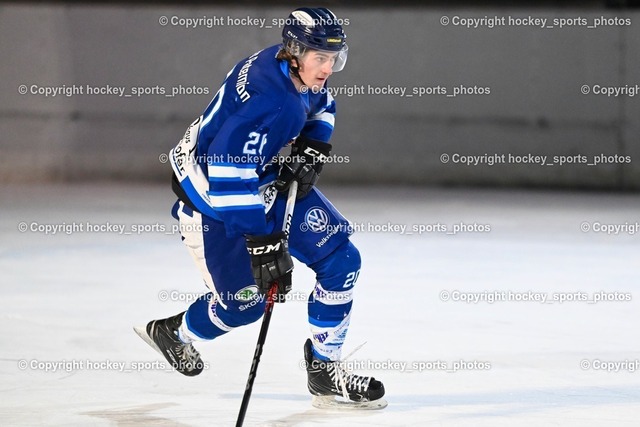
<point>344,380</point>
<point>189,353</point>
<point>347,381</point>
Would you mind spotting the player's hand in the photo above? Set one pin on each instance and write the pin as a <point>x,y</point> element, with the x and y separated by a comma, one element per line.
<point>304,165</point>
<point>271,261</point>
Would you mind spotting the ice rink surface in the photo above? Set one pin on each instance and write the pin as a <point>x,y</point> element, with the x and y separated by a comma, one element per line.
<point>69,302</point>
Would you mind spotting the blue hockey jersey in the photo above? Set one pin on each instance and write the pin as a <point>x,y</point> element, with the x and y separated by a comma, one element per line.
<point>225,158</point>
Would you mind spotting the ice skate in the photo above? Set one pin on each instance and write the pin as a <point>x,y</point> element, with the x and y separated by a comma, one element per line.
<point>162,335</point>
<point>334,387</point>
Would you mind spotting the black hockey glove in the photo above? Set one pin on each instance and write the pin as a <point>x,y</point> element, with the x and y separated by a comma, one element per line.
<point>271,261</point>
<point>305,164</point>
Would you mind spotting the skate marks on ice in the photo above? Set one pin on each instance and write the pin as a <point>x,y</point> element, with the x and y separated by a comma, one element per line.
<point>136,416</point>
<point>320,417</point>
<point>483,407</point>
<point>502,408</point>
<point>309,416</point>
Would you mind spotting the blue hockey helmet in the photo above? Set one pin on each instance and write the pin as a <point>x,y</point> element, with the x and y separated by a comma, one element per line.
<point>315,29</point>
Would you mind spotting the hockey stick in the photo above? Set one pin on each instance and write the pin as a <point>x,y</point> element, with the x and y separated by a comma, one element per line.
<point>266,319</point>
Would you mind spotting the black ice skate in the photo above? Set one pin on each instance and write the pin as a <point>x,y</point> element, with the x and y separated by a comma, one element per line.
<point>328,380</point>
<point>162,335</point>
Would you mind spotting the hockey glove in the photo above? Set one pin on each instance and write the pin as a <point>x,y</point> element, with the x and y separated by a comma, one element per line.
<point>270,261</point>
<point>305,164</point>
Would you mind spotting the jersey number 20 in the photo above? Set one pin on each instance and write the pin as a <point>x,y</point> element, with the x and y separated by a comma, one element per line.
<point>351,279</point>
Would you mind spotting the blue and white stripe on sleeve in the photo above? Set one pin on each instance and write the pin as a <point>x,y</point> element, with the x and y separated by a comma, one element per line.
<point>233,187</point>
<point>235,198</point>
<point>320,125</point>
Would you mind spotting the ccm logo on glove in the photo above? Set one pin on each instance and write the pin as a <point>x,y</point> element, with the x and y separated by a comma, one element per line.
<point>263,250</point>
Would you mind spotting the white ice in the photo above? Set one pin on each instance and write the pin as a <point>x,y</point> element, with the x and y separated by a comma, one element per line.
<point>75,297</point>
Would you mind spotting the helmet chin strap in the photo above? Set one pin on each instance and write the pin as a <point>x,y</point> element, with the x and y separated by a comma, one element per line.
<point>296,71</point>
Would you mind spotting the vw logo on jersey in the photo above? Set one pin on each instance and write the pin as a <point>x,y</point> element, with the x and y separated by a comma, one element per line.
<point>317,219</point>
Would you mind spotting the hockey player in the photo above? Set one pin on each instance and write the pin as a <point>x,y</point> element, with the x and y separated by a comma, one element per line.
<point>231,199</point>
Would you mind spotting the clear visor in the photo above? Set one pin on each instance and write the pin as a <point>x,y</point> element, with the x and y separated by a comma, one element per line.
<point>339,58</point>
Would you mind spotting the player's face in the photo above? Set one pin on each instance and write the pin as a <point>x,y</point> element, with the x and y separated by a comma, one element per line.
<point>316,67</point>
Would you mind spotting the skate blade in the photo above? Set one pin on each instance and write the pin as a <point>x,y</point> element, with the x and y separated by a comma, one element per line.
<point>330,402</point>
<point>142,333</point>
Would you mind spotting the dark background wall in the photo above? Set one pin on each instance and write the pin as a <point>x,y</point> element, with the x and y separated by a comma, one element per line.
<point>532,79</point>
